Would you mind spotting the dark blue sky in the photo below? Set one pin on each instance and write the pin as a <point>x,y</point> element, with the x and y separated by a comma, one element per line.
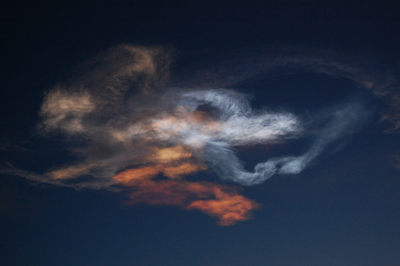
<point>343,209</point>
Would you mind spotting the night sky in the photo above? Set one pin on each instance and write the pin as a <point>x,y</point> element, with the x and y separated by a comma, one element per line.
<point>200,133</point>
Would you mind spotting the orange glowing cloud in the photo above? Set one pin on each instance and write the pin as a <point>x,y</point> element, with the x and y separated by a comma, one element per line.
<point>216,200</point>
<point>132,176</point>
<point>168,155</point>
<point>219,201</point>
<point>228,207</point>
<point>182,169</point>
<point>173,162</point>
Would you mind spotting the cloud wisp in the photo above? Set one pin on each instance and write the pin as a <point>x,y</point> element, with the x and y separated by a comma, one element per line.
<point>130,128</point>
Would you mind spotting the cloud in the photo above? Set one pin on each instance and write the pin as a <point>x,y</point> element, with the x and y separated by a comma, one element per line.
<point>366,72</point>
<point>216,200</point>
<point>65,110</point>
<point>133,129</point>
<point>7,145</point>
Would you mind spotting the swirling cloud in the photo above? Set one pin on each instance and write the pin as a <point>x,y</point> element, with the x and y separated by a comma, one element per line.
<point>139,132</point>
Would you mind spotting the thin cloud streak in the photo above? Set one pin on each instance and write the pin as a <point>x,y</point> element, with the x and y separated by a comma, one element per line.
<point>365,72</point>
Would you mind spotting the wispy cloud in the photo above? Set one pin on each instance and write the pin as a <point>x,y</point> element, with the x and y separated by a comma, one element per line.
<point>7,145</point>
<point>217,200</point>
<point>366,72</point>
<point>130,128</point>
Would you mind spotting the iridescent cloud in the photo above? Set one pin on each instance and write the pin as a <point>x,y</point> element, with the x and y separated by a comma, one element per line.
<point>138,131</point>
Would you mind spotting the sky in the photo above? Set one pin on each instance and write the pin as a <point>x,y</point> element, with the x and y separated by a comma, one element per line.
<point>200,133</point>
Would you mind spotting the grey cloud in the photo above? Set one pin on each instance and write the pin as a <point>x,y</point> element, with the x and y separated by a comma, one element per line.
<point>364,71</point>
<point>343,120</point>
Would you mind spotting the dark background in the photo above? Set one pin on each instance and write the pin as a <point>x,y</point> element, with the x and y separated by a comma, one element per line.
<point>342,211</point>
